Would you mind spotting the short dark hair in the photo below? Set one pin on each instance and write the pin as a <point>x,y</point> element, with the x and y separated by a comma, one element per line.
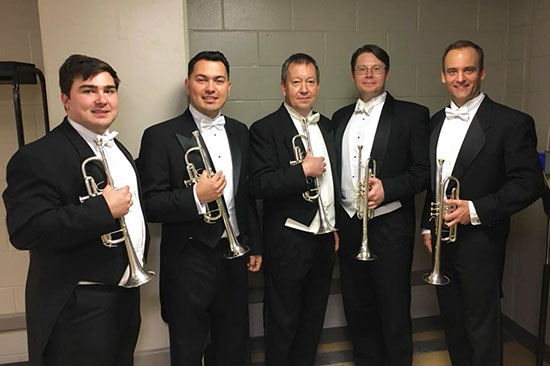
<point>84,67</point>
<point>375,50</point>
<point>298,58</point>
<point>463,44</point>
<point>209,56</point>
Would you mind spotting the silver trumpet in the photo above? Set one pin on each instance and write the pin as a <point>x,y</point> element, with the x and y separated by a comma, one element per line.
<point>313,194</point>
<point>438,210</point>
<point>137,276</point>
<point>364,213</point>
<point>236,250</point>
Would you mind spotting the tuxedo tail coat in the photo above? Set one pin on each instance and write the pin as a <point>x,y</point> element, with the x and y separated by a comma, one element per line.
<point>46,217</point>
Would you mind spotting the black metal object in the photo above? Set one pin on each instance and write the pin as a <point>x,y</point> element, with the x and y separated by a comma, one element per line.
<point>17,73</point>
<point>541,344</point>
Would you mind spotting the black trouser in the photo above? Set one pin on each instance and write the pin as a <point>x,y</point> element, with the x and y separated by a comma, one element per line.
<point>470,303</point>
<point>208,293</point>
<point>298,274</point>
<point>377,294</point>
<point>99,325</point>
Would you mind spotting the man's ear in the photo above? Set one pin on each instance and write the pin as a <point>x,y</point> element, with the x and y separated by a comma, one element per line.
<point>283,89</point>
<point>65,100</point>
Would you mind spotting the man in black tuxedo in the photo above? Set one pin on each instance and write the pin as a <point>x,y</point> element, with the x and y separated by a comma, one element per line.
<point>201,291</point>
<point>376,293</point>
<point>298,233</point>
<point>78,312</point>
<point>491,150</point>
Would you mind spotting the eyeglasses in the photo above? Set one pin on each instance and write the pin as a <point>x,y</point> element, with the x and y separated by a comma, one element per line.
<point>376,69</point>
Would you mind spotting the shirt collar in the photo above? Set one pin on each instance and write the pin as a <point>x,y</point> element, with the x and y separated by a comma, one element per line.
<point>88,135</point>
<point>471,105</point>
<point>294,113</point>
<point>199,117</point>
<point>362,106</point>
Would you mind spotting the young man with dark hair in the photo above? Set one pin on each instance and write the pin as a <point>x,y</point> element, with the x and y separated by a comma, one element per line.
<point>491,150</point>
<point>394,133</point>
<point>200,290</point>
<point>298,193</point>
<point>79,311</point>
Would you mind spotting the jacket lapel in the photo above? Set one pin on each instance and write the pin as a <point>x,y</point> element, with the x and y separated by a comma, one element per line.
<point>434,137</point>
<point>186,140</point>
<point>288,131</point>
<point>474,139</point>
<point>382,134</point>
<point>236,152</point>
<point>84,151</point>
<point>339,134</point>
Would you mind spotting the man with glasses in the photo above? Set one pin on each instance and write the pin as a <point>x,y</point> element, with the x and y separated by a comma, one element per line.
<point>394,134</point>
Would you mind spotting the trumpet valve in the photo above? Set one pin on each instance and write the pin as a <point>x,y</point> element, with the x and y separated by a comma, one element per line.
<point>370,213</point>
<point>295,162</point>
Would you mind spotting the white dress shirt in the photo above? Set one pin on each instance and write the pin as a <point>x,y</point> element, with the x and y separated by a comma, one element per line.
<point>123,174</point>
<point>454,129</point>
<point>318,149</point>
<point>361,130</point>
<point>215,137</point>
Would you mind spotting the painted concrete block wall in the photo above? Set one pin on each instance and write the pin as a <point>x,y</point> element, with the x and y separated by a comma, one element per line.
<point>527,88</point>
<point>258,35</point>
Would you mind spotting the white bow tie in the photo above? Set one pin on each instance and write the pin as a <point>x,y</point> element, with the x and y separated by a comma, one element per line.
<point>364,107</point>
<point>310,119</point>
<point>217,123</point>
<point>314,118</point>
<point>106,139</point>
<point>460,113</point>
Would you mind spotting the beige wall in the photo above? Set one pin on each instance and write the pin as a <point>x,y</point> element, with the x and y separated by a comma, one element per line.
<point>145,41</point>
<point>19,41</point>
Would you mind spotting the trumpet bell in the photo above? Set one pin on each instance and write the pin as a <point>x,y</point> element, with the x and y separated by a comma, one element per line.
<point>365,255</point>
<point>434,278</point>
<point>138,278</point>
<point>236,252</point>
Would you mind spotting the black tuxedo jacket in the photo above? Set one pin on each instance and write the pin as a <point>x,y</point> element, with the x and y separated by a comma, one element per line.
<point>169,201</point>
<point>45,216</point>
<point>400,149</point>
<point>274,180</point>
<point>498,169</point>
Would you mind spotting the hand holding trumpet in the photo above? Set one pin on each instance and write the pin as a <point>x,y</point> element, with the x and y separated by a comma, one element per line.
<point>460,215</point>
<point>312,166</point>
<point>118,200</point>
<point>211,188</point>
<point>376,193</point>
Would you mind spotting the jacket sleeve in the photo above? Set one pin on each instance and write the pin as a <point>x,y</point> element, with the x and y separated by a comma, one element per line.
<point>37,216</point>
<point>417,177</point>
<point>523,179</point>
<point>272,175</point>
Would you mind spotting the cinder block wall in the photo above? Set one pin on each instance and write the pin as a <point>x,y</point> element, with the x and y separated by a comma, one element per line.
<point>528,89</point>
<point>257,35</point>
